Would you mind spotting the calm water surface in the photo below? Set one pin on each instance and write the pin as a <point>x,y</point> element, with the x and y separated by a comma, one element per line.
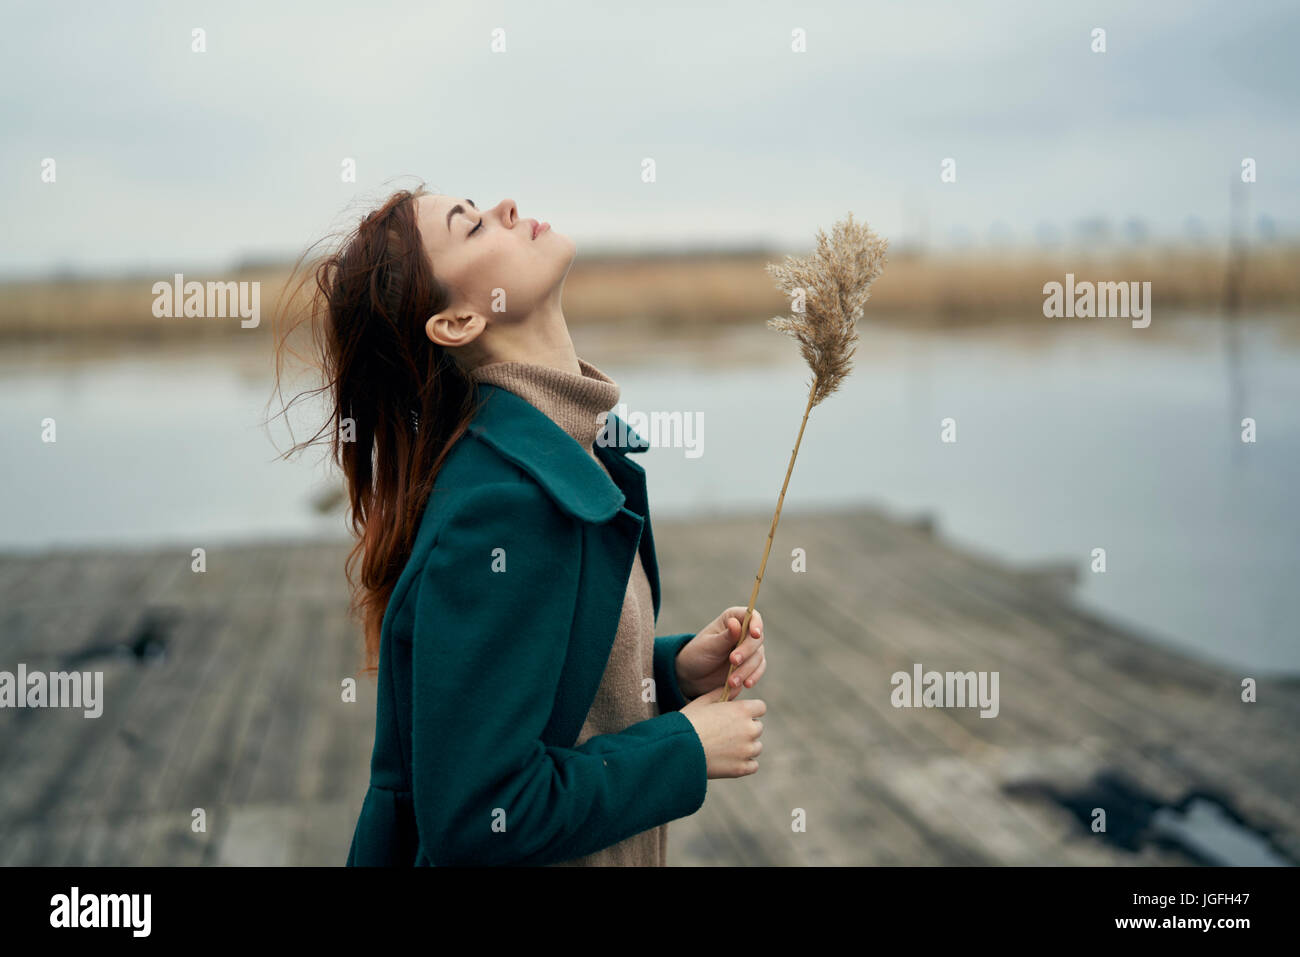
<point>1069,438</point>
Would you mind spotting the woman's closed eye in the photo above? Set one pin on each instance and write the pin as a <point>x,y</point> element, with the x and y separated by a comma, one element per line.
<point>475,229</point>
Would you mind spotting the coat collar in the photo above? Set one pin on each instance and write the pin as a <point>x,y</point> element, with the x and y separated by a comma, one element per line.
<point>526,436</point>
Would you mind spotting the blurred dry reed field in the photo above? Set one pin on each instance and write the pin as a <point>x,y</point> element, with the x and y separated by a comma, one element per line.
<point>697,288</point>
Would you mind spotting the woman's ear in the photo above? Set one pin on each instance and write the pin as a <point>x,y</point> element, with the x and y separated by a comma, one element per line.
<point>452,330</point>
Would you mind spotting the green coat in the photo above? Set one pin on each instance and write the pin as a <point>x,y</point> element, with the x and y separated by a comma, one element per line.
<point>492,647</point>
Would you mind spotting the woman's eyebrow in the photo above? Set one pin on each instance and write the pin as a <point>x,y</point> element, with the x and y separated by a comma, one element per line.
<point>458,208</point>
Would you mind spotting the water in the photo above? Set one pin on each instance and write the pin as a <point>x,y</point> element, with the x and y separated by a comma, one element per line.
<point>1070,437</point>
<point>1215,836</point>
<point>155,445</point>
<point>1200,824</point>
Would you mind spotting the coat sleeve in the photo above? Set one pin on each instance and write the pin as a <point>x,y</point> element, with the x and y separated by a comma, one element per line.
<point>667,690</point>
<point>494,605</point>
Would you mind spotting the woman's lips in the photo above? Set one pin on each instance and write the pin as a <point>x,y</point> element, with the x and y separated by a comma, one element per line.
<point>539,228</point>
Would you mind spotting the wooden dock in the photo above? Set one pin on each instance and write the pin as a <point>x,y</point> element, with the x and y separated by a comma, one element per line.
<point>222,691</point>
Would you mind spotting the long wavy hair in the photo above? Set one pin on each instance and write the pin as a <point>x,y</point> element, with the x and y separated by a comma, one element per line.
<point>397,400</point>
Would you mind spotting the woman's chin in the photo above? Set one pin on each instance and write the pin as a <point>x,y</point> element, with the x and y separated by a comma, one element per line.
<point>565,249</point>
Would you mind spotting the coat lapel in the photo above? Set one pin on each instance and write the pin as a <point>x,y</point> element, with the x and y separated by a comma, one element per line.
<point>617,520</point>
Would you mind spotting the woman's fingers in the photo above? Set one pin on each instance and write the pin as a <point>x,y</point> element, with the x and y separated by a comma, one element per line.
<point>750,671</point>
<point>741,671</point>
<point>747,676</point>
<point>731,621</point>
<point>738,613</point>
<point>745,650</point>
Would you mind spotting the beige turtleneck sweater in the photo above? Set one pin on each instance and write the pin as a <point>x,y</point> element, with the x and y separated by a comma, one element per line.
<point>573,402</point>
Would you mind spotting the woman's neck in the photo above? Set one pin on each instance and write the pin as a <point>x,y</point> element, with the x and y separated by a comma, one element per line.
<point>541,338</point>
<point>576,402</point>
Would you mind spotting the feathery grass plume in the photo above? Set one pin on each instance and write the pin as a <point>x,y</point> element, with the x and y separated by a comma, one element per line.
<point>829,289</point>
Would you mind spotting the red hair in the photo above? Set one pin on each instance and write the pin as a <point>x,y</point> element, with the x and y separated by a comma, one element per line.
<point>406,399</point>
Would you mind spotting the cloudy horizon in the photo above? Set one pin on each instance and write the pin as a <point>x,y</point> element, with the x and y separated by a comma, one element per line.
<point>168,159</point>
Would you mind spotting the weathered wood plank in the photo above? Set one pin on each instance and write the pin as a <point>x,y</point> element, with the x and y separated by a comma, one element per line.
<point>243,715</point>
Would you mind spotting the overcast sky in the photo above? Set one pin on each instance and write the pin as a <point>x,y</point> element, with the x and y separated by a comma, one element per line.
<point>170,159</point>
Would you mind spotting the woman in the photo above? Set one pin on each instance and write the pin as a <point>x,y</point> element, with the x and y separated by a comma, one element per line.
<point>527,713</point>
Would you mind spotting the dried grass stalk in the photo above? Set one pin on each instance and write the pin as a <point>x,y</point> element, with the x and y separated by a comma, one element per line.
<point>829,290</point>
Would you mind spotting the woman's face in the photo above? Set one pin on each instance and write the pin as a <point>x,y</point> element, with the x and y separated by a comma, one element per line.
<point>490,258</point>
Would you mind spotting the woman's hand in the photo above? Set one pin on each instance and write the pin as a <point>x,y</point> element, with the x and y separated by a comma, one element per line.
<point>728,732</point>
<point>703,661</point>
